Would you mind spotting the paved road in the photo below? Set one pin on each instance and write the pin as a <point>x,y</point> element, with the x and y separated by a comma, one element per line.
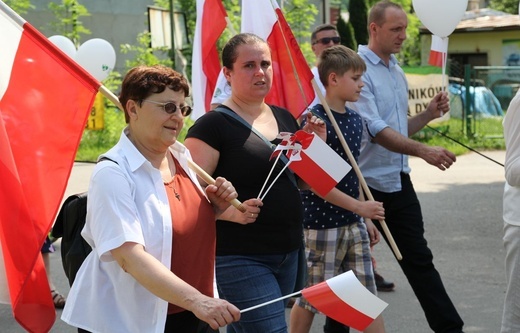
<point>462,210</point>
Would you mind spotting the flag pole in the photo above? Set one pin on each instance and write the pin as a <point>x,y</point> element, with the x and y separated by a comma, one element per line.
<point>295,72</point>
<point>355,166</point>
<point>198,170</point>
<point>271,301</point>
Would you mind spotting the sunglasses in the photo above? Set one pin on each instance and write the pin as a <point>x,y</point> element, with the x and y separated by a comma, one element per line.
<point>327,40</point>
<point>171,108</point>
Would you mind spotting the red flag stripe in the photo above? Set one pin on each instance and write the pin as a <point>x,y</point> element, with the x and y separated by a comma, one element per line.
<point>43,110</point>
<point>211,22</point>
<point>346,300</point>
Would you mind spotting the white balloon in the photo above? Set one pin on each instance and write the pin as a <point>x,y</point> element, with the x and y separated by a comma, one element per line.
<point>440,16</point>
<point>64,44</point>
<point>96,56</point>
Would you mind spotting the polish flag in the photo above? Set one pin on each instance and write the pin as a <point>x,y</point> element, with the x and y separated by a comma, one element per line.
<point>345,299</point>
<point>45,99</point>
<point>439,51</point>
<point>292,88</point>
<point>316,163</point>
<point>211,22</point>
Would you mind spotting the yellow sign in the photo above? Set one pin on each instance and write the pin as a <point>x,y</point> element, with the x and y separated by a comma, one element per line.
<point>96,118</point>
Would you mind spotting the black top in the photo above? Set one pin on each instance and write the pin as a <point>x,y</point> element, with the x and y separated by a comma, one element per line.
<point>245,161</point>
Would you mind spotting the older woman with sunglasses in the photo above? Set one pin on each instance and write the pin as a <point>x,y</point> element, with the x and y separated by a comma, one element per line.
<point>150,224</point>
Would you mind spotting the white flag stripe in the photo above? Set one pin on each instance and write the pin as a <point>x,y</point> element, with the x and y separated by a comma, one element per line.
<point>439,44</point>
<point>331,163</point>
<point>348,288</point>
<point>198,78</point>
<point>9,39</point>
<point>258,17</point>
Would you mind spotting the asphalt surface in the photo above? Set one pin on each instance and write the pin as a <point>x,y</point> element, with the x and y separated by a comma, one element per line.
<point>462,209</point>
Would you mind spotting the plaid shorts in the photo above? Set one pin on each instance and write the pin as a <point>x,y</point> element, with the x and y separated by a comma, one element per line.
<point>331,252</point>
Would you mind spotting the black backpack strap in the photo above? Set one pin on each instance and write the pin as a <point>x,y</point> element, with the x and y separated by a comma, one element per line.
<point>224,109</point>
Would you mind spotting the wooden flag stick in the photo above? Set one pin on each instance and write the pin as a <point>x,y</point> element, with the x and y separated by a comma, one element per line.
<point>355,166</point>
<point>198,170</point>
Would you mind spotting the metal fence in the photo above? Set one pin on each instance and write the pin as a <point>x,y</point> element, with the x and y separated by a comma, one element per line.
<point>488,90</point>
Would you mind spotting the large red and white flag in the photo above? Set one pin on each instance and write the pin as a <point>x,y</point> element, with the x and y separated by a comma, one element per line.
<point>292,88</point>
<point>345,299</point>
<point>439,51</point>
<point>316,163</point>
<point>211,22</point>
<point>45,99</point>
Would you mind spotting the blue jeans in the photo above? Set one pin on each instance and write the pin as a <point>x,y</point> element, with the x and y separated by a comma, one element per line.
<point>247,281</point>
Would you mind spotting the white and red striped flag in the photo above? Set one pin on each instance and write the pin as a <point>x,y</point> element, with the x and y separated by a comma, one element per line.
<point>344,299</point>
<point>439,51</point>
<point>317,164</point>
<point>45,99</point>
<point>211,22</point>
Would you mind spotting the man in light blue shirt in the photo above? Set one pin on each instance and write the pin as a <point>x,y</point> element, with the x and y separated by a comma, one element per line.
<point>384,158</point>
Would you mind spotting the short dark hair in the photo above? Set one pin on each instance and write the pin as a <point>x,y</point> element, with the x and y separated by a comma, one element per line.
<point>229,52</point>
<point>338,59</point>
<point>377,12</point>
<point>320,28</point>
<point>142,81</point>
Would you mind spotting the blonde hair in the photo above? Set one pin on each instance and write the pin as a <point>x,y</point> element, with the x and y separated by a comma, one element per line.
<point>339,59</point>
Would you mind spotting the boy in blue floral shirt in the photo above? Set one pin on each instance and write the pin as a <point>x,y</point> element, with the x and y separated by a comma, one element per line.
<point>337,238</point>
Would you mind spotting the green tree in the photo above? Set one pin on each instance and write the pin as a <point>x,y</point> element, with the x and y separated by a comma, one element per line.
<point>300,15</point>
<point>68,23</point>
<point>19,6</point>
<point>144,53</point>
<point>508,6</point>
<point>346,32</point>
<point>358,11</point>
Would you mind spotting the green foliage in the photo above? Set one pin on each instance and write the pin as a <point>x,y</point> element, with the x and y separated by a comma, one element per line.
<point>489,137</point>
<point>358,10</point>
<point>144,53</point>
<point>300,15</point>
<point>68,22</point>
<point>346,32</point>
<point>508,6</point>
<point>19,6</point>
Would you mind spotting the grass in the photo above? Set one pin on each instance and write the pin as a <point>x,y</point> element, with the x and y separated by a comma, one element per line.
<point>485,134</point>
<point>422,70</point>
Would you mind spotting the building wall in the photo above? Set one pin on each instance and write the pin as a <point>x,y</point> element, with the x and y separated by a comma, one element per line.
<point>490,43</point>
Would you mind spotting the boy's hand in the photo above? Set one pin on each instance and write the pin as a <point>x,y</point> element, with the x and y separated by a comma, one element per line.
<point>373,233</point>
<point>371,209</point>
<point>316,125</point>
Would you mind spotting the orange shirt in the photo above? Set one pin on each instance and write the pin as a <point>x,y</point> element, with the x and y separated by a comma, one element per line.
<point>194,235</point>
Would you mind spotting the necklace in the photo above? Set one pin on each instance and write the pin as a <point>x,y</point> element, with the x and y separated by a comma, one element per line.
<point>171,183</point>
<point>177,195</point>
